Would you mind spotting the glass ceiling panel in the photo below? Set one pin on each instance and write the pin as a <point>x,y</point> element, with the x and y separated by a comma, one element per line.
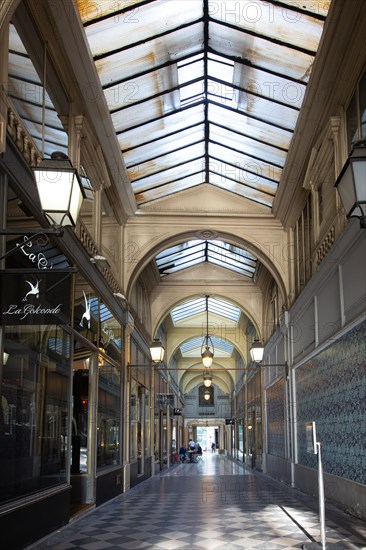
<point>26,92</point>
<point>250,126</point>
<point>278,58</point>
<point>167,161</point>
<point>151,58</point>
<point>140,58</point>
<point>147,132</point>
<point>140,24</point>
<point>252,170</point>
<point>167,189</point>
<point>164,145</point>
<point>241,189</point>
<point>271,86</point>
<point>188,309</point>
<point>248,175</point>
<point>169,176</point>
<point>197,251</point>
<point>234,139</point>
<point>192,347</point>
<point>268,19</point>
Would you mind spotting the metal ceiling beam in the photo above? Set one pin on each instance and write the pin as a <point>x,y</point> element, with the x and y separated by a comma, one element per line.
<point>205,73</point>
<point>292,7</point>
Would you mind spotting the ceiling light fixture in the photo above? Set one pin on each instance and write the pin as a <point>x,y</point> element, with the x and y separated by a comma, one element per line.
<point>207,378</point>
<point>206,395</point>
<point>207,355</point>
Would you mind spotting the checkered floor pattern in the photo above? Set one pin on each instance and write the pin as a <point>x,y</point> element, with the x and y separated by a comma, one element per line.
<point>214,505</point>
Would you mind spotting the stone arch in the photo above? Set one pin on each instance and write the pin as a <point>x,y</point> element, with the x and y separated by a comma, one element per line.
<point>145,254</point>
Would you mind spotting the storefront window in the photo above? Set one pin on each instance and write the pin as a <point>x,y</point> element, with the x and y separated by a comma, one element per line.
<point>110,333</point>
<point>86,312</point>
<point>147,424</point>
<point>108,416</point>
<point>133,420</point>
<point>34,409</point>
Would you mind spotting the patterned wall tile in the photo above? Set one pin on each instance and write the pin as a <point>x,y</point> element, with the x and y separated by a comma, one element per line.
<point>275,411</point>
<point>331,390</point>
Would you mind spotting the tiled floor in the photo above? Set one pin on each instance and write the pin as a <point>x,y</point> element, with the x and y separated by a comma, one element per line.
<point>215,504</point>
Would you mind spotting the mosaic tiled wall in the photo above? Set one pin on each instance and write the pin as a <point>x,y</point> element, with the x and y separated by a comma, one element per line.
<point>331,390</point>
<point>275,408</point>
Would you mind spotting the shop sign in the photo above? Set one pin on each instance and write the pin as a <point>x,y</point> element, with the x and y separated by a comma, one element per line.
<point>37,258</point>
<point>229,421</point>
<point>177,412</point>
<point>165,399</point>
<point>35,297</point>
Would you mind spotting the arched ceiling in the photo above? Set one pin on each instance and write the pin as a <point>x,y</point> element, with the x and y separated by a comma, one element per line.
<point>187,326</point>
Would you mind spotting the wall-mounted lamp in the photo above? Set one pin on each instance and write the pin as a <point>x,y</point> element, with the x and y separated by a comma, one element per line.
<point>60,193</point>
<point>256,353</point>
<point>207,355</point>
<point>157,351</point>
<point>60,190</point>
<point>351,184</point>
<point>5,357</point>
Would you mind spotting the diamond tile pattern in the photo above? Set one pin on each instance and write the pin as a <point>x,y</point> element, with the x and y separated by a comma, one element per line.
<point>217,504</point>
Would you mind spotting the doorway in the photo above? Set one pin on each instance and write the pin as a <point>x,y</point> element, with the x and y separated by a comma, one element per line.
<point>80,470</point>
<point>207,436</point>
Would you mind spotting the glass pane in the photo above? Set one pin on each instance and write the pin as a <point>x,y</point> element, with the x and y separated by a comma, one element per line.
<point>110,334</point>
<point>133,420</point>
<point>34,414</point>
<point>108,416</point>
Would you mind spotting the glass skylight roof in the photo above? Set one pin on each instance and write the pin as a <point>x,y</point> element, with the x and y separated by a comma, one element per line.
<point>192,347</point>
<point>204,92</point>
<point>194,252</point>
<point>191,308</point>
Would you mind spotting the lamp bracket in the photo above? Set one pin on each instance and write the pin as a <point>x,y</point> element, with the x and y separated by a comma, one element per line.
<point>284,365</point>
